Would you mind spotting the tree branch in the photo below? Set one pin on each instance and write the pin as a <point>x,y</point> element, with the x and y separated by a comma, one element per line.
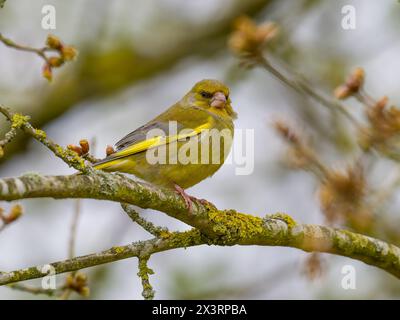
<point>19,121</point>
<point>41,52</point>
<point>32,290</point>
<point>298,83</point>
<point>213,226</point>
<point>136,249</point>
<point>144,272</point>
<point>146,225</point>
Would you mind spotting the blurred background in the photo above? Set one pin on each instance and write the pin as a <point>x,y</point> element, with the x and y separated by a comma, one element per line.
<point>136,58</point>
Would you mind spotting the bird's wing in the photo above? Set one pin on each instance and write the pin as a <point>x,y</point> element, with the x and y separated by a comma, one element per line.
<point>140,134</point>
<point>139,141</point>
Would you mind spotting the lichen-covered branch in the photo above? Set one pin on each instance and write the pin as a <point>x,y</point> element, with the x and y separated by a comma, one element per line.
<point>136,249</point>
<point>212,226</point>
<point>19,121</point>
<point>7,139</point>
<point>146,225</point>
<point>144,273</point>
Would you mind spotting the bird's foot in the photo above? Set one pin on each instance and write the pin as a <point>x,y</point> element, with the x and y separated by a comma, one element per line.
<point>185,196</point>
<point>204,202</point>
<point>190,199</point>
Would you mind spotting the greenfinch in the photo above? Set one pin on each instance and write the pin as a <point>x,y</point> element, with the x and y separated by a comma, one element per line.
<point>182,136</point>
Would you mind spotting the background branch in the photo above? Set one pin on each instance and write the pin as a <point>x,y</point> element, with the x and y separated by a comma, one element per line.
<point>107,72</point>
<point>41,52</point>
<point>300,85</point>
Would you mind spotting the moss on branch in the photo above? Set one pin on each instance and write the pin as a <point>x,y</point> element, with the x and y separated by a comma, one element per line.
<point>137,249</point>
<point>19,121</point>
<point>211,226</point>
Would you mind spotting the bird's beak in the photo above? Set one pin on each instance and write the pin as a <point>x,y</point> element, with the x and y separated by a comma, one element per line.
<point>218,100</point>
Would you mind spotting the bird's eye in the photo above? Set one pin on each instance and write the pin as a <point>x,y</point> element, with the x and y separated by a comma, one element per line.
<point>206,94</point>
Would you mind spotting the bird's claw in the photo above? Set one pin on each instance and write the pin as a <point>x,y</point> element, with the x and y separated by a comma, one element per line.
<point>190,199</point>
<point>185,196</point>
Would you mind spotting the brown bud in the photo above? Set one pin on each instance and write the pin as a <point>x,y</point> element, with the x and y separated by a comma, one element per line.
<point>353,84</point>
<point>69,281</point>
<point>15,213</point>
<point>68,53</point>
<point>266,31</point>
<point>249,38</point>
<point>55,61</point>
<point>1,152</point>
<point>75,149</point>
<point>84,146</point>
<point>237,43</point>
<point>109,150</point>
<point>53,42</point>
<point>80,279</point>
<point>286,132</point>
<point>356,79</point>
<point>342,92</point>
<point>47,72</point>
<point>381,103</point>
<point>84,291</point>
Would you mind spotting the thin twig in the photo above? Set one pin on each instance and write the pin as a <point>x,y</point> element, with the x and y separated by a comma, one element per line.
<point>19,121</point>
<point>387,190</point>
<point>66,292</point>
<point>146,225</point>
<point>41,52</point>
<point>74,228</point>
<point>363,97</point>
<point>32,290</point>
<point>8,137</point>
<point>144,272</point>
<point>90,158</point>
<point>299,84</point>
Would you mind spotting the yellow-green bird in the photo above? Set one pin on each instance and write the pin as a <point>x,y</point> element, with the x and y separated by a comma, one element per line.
<point>191,152</point>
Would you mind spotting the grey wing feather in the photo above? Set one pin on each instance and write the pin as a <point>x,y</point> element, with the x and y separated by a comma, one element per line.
<point>139,134</point>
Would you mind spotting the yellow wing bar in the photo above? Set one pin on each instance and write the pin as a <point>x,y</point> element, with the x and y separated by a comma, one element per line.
<point>159,141</point>
<point>151,143</point>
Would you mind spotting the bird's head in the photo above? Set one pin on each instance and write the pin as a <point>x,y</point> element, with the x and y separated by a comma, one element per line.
<point>212,95</point>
